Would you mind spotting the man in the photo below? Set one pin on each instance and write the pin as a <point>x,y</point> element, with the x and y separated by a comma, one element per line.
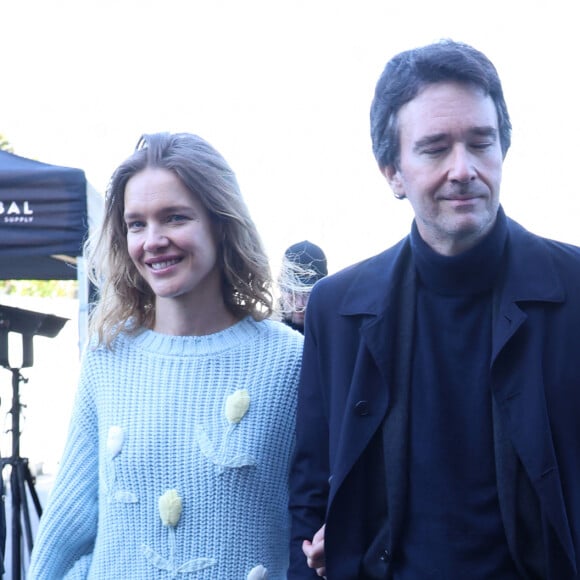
<point>303,265</point>
<point>438,423</point>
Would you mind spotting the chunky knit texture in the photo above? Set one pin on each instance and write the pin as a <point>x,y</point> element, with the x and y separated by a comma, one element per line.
<point>150,417</point>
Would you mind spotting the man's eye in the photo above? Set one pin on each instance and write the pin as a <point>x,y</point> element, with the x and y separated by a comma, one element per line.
<point>482,145</point>
<point>434,150</point>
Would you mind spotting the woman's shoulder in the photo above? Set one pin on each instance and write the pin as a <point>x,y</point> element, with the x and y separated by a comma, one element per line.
<point>278,330</point>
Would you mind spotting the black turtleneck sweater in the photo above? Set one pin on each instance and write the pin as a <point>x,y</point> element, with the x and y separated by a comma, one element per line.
<point>453,525</point>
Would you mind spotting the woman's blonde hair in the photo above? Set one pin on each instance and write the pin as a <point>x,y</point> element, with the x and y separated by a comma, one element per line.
<point>126,302</point>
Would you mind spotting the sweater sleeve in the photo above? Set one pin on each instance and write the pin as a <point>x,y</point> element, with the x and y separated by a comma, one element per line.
<point>68,526</point>
<point>309,473</point>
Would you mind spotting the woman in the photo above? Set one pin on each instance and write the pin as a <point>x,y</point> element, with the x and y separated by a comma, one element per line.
<point>177,456</point>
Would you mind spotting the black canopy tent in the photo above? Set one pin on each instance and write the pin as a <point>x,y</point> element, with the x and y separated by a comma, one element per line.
<point>46,214</point>
<point>43,219</point>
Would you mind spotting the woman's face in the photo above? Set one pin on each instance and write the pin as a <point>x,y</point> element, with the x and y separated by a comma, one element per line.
<point>170,238</point>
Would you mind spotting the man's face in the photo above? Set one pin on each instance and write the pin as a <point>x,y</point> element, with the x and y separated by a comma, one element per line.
<point>450,164</point>
<point>295,303</point>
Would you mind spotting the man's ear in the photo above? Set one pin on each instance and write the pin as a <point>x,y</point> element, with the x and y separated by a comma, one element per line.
<point>393,176</point>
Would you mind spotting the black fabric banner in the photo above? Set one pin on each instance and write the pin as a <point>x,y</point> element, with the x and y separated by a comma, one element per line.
<point>43,211</point>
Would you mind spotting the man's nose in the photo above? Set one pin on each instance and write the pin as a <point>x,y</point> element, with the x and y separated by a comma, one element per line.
<point>461,165</point>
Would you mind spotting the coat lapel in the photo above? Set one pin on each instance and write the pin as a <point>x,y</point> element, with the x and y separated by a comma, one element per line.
<point>370,393</point>
<point>386,338</point>
<point>517,380</point>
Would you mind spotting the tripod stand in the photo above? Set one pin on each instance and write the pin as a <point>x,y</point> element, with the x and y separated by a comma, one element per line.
<point>21,480</point>
<point>28,324</point>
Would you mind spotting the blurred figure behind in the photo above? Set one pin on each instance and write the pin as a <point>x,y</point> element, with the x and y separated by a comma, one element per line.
<point>303,265</point>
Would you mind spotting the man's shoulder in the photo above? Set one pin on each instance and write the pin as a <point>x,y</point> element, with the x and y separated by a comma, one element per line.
<point>361,287</point>
<point>532,243</point>
<point>368,268</point>
<point>540,267</point>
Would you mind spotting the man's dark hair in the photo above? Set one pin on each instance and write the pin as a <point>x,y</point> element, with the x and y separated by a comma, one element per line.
<point>408,72</point>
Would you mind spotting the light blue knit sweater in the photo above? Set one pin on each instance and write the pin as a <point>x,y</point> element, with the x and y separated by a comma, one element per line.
<point>151,416</point>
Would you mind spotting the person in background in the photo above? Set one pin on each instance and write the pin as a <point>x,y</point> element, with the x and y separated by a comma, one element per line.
<point>437,427</point>
<point>304,263</point>
<point>178,452</point>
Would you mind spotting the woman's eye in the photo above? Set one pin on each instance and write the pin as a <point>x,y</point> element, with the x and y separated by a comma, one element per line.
<point>134,225</point>
<point>177,218</point>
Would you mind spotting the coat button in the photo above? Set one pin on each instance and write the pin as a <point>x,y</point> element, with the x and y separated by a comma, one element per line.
<point>362,408</point>
<point>385,556</point>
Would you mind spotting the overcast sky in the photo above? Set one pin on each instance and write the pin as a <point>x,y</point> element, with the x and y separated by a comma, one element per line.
<point>282,89</point>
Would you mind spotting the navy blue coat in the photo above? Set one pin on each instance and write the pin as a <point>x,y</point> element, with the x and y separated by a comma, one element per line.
<point>347,473</point>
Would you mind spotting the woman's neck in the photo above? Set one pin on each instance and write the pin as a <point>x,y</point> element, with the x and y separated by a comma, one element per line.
<point>179,318</point>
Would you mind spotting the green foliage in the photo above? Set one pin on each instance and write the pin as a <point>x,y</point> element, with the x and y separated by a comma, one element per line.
<point>40,288</point>
<point>5,144</point>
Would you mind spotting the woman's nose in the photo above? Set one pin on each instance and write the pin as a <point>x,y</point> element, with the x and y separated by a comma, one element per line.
<point>154,239</point>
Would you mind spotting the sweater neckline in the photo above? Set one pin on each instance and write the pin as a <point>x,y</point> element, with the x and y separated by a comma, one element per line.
<point>170,345</point>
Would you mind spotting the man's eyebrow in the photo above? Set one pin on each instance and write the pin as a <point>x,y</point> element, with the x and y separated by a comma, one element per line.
<point>485,131</point>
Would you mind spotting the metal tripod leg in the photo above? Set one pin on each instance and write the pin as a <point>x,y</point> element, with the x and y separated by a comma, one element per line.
<point>2,524</point>
<point>20,478</point>
<point>21,488</point>
<point>25,480</point>
<point>16,523</point>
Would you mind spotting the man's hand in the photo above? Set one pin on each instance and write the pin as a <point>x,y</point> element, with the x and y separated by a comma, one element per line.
<point>314,552</point>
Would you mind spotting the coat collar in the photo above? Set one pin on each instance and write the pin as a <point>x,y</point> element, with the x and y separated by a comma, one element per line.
<point>530,275</point>
<point>373,294</point>
<point>373,287</point>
